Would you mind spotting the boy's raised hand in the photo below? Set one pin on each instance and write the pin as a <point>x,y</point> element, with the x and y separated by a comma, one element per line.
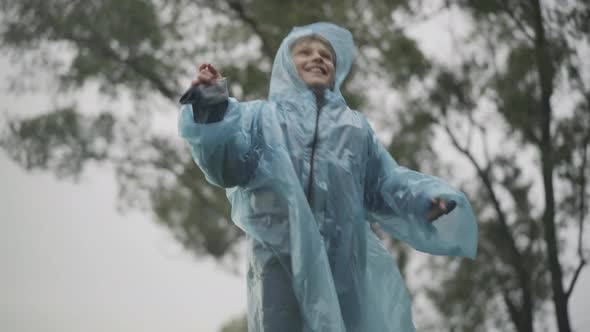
<point>207,75</point>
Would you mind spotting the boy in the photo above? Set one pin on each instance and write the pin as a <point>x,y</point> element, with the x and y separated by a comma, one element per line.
<point>305,176</point>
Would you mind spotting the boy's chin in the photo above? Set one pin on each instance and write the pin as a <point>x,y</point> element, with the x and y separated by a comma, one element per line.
<point>318,85</point>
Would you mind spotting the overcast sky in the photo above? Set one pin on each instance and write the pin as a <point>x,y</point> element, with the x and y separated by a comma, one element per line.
<point>70,263</point>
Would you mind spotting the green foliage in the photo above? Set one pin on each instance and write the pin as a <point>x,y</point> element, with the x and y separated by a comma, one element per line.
<point>117,42</point>
<point>239,324</point>
<point>253,80</point>
<point>197,221</point>
<point>62,141</point>
<point>402,60</point>
<point>519,95</point>
<point>411,144</point>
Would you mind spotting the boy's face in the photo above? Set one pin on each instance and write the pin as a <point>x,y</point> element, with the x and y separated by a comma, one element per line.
<point>314,63</point>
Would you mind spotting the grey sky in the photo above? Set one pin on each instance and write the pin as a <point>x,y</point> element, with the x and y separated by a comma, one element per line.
<point>71,263</point>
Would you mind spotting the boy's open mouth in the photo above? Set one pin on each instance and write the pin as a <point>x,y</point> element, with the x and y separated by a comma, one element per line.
<point>318,69</point>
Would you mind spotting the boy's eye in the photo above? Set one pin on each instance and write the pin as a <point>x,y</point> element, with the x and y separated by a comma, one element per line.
<point>326,55</point>
<point>304,51</point>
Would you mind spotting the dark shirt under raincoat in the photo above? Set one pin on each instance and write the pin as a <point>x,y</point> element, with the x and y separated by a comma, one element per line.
<point>305,180</point>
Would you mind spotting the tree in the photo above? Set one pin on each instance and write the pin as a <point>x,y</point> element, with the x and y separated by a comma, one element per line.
<point>513,66</point>
<point>533,52</point>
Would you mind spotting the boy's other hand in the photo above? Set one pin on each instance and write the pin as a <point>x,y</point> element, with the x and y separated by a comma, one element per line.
<point>439,207</point>
<point>207,75</point>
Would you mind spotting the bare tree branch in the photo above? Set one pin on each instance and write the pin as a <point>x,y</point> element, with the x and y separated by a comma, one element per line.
<point>238,9</point>
<point>512,309</point>
<point>582,216</point>
<point>525,314</point>
<point>581,265</point>
<point>483,173</point>
<point>516,20</point>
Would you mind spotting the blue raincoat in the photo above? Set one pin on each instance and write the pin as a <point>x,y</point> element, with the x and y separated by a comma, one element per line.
<point>305,180</point>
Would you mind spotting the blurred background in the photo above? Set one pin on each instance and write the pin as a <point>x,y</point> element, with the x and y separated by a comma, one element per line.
<point>107,224</point>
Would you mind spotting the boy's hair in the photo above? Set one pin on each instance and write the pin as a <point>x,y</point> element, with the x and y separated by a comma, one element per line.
<point>315,38</point>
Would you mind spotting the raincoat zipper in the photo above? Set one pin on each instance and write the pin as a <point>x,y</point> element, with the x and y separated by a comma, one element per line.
<point>319,105</point>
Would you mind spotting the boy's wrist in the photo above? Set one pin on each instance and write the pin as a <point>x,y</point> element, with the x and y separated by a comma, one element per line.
<point>214,93</point>
<point>209,101</point>
<point>206,94</point>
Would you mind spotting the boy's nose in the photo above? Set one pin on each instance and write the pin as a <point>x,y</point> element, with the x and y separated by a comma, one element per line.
<point>317,58</point>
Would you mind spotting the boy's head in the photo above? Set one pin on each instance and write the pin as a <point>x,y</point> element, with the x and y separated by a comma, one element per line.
<point>315,61</point>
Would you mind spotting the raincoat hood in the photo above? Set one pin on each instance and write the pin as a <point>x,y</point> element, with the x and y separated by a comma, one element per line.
<point>285,80</point>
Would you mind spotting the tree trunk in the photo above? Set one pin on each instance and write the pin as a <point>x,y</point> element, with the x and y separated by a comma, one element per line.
<point>545,73</point>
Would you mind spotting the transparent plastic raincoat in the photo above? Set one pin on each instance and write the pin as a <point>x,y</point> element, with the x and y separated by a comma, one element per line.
<point>305,180</point>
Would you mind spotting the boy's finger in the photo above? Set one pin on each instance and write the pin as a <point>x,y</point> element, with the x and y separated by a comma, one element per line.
<point>437,204</point>
<point>206,78</point>
<point>442,206</point>
<point>213,70</point>
<point>205,75</point>
<point>433,204</point>
<point>202,67</point>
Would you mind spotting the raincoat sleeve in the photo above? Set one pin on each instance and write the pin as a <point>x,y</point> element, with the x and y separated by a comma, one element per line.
<point>222,134</point>
<point>398,199</point>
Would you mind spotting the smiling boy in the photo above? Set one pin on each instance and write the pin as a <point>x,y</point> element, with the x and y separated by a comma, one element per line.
<point>305,176</point>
